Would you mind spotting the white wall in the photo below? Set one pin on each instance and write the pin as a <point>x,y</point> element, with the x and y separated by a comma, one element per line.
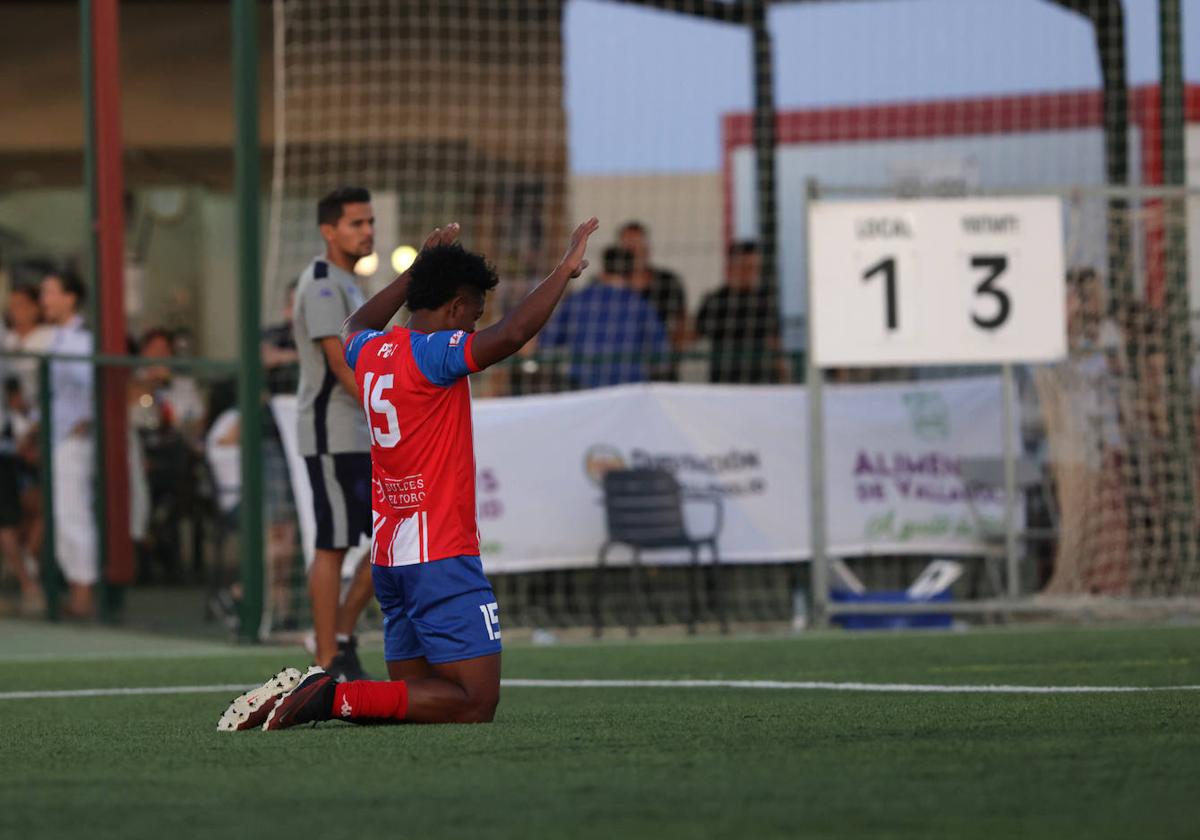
<point>218,293</point>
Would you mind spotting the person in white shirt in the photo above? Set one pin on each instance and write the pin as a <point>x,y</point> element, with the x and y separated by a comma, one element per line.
<point>25,334</point>
<point>62,295</point>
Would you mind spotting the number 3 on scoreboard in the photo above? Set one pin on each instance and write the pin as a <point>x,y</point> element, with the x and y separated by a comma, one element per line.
<point>993,265</point>
<point>375,405</point>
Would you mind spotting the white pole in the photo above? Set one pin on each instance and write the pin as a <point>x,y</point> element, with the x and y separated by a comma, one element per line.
<point>813,382</point>
<point>1010,484</point>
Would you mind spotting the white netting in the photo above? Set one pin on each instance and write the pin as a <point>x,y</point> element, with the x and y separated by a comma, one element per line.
<point>1119,415</point>
<point>445,111</point>
<point>518,118</point>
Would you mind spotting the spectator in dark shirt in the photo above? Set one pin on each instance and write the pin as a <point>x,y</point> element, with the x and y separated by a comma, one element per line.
<point>611,334</point>
<point>740,321</point>
<point>661,288</point>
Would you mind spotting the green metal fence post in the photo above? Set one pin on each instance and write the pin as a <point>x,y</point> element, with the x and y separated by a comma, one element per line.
<point>49,560</point>
<point>246,179</point>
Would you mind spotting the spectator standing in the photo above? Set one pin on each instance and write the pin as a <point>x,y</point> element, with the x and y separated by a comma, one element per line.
<point>609,330</point>
<point>26,334</point>
<point>660,288</point>
<point>741,322</point>
<point>10,501</point>
<point>62,295</point>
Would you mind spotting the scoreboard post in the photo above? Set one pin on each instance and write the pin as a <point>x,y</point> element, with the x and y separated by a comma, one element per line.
<point>930,282</point>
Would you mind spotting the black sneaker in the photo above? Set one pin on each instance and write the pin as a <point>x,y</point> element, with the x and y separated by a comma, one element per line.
<point>345,666</point>
<point>309,702</point>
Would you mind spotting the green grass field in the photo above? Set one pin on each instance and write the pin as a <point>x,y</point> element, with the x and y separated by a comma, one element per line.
<point>616,762</point>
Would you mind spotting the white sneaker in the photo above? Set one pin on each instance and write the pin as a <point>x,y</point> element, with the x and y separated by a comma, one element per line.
<point>251,709</point>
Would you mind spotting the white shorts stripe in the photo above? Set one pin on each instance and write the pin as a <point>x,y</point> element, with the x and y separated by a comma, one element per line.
<point>337,501</point>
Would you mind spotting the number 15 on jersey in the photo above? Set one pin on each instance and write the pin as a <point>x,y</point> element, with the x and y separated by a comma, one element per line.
<point>937,282</point>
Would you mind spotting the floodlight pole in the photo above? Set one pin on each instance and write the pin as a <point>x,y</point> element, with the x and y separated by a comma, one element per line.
<point>250,382</point>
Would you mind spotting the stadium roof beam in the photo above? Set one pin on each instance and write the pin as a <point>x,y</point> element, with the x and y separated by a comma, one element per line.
<point>737,11</point>
<point>1108,20</point>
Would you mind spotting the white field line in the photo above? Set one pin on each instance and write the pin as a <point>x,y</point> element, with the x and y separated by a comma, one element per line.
<point>908,688</point>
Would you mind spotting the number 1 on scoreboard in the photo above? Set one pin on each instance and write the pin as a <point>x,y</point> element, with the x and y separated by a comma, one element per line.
<point>887,290</point>
<point>886,268</point>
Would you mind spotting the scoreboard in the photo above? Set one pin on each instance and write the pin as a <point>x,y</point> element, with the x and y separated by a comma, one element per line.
<point>936,281</point>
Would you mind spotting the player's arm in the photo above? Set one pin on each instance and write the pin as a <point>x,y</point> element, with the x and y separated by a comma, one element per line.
<point>335,357</point>
<point>514,330</point>
<point>383,306</point>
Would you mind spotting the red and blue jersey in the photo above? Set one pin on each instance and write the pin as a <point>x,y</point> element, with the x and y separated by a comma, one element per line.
<point>417,398</point>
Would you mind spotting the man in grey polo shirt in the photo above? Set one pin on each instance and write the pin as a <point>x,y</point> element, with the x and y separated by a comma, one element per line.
<point>333,435</point>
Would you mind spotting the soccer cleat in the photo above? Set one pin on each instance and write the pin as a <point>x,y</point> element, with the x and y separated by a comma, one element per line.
<point>345,665</point>
<point>251,709</point>
<point>309,702</point>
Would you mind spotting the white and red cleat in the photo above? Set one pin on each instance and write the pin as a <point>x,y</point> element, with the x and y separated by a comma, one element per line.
<point>251,709</point>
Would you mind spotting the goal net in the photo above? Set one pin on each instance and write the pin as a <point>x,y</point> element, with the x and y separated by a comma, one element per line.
<point>519,118</point>
<point>1116,421</point>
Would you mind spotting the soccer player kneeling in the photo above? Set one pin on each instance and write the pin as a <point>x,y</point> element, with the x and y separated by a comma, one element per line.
<point>441,622</point>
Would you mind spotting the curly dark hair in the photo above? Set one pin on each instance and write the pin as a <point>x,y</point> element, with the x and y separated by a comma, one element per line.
<point>440,273</point>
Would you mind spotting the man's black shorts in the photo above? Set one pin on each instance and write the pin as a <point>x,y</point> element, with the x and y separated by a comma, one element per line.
<point>10,491</point>
<point>341,489</point>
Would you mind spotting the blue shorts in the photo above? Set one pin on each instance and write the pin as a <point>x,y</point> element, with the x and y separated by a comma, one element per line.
<point>444,611</point>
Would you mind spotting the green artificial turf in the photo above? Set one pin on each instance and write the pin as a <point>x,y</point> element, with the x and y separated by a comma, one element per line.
<point>639,762</point>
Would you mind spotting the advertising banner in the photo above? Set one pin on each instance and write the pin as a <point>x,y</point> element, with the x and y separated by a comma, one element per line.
<point>893,455</point>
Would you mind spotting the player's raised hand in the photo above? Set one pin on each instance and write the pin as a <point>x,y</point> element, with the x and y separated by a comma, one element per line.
<point>573,261</point>
<point>442,236</point>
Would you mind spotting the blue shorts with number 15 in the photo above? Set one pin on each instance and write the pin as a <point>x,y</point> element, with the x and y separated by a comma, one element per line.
<point>444,610</point>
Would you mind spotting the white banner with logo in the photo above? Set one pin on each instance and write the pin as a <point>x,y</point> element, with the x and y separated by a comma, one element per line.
<point>892,460</point>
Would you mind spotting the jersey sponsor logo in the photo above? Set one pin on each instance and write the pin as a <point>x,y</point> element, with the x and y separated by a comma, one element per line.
<point>386,351</point>
<point>407,492</point>
<point>325,291</point>
<point>457,338</point>
<point>346,710</point>
<point>601,458</point>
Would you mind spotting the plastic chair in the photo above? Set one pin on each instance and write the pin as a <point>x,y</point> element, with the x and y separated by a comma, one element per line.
<point>644,510</point>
